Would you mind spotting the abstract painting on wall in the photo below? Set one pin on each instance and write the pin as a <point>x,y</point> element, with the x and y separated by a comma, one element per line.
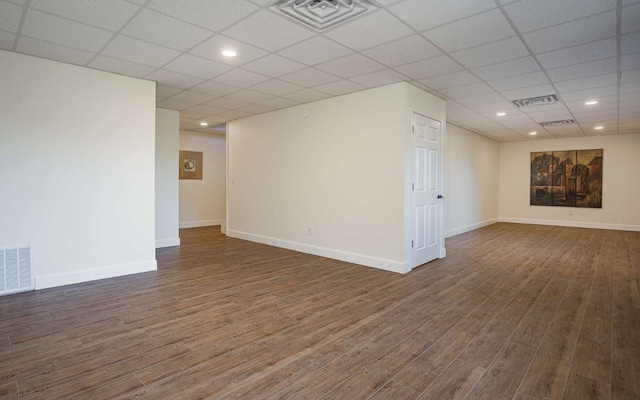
<point>190,165</point>
<point>569,178</point>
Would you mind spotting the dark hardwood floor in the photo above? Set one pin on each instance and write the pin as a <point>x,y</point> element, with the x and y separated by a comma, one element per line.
<point>514,312</point>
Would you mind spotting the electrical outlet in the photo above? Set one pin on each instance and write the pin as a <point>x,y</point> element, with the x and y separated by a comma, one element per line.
<point>310,230</point>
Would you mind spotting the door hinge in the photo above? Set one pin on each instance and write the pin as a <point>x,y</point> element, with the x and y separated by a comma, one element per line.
<point>412,244</point>
<point>413,186</point>
<point>413,129</point>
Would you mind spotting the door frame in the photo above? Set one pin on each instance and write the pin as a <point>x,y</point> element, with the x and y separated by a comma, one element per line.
<point>409,200</point>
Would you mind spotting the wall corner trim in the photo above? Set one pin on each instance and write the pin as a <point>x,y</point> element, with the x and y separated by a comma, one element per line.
<point>198,224</point>
<point>471,227</point>
<point>112,271</point>
<point>167,242</point>
<point>573,224</point>
<point>361,259</point>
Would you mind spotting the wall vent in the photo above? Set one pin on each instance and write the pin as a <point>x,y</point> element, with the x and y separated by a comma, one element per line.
<point>536,101</point>
<point>15,270</point>
<point>323,14</point>
<point>558,123</point>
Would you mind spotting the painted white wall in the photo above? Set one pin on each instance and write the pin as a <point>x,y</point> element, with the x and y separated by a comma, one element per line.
<point>77,169</point>
<point>620,191</point>
<point>340,171</point>
<point>471,183</point>
<point>167,144</point>
<point>202,202</point>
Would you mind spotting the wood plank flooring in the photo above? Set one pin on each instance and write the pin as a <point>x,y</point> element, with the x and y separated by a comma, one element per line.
<point>514,312</point>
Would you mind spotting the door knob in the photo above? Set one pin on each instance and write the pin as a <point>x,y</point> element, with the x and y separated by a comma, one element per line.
<point>440,196</point>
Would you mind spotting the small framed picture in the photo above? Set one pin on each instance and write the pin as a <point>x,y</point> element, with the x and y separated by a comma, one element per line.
<point>190,164</point>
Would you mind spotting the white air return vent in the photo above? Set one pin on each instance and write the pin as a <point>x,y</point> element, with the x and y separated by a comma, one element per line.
<point>536,101</point>
<point>323,14</point>
<point>15,270</point>
<point>559,122</point>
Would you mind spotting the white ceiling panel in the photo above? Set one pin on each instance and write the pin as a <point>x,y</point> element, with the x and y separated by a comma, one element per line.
<point>52,51</point>
<point>440,65</point>
<point>630,61</point>
<point>268,31</point>
<point>573,33</point>
<point>167,91</point>
<point>173,79</point>
<point>631,43</point>
<point>240,78</point>
<point>584,70</point>
<point>491,53</point>
<point>403,51</point>
<point>7,40</point>
<point>506,69</point>
<point>587,83</point>
<point>380,27</point>
<point>310,77</point>
<point>10,15</point>
<point>205,109</point>
<point>227,103</point>
<point>212,50</point>
<point>249,96</point>
<point>139,52</point>
<point>519,81</point>
<point>315,50</point>
<point>481,99</point>
<point>451,80</point>
<point>463,34</point>
<point>630,76</point>
<point>378,78</point>
<point>274,65</point>
<point>467,90</point>
<point>111,15</point>
<point>214,88</point>
<point>195,66</point>
<point>111,64</point>
<point>578,54</point>
<point>307,96</point>
<point>341,87</point>
<point>174,104</point>
<point>256,109</point>
<point>525,93</point>
<point>212,15</point>
<point>531,15</point>
<point>192,97</point>
<point>592,93</point>
<point>279,102</point>
<point>425,14</point>
<point>276,87</point>
<point>165,31</point>
<point>351,66</point>
<point>630,18</point>
<point>38,25</point>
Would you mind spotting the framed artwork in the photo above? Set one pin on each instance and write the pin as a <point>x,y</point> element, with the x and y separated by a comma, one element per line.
<point>568,178</point>
<point>190,164</point>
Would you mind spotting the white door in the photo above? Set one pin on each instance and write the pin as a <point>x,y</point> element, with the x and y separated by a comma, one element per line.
<point>426,189</point>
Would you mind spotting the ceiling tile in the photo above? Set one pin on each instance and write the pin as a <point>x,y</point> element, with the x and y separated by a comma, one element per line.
<point>212,15</point>
<point>111,15</point>
<point>467,90</point>
<point>351,66</point>
<point>173,79</point>
<point>425,14</point>
<point>52,51</point>
<point>38,25</point>
<point>520,81</point>
<point>268,31</point>
<point>591,68</point>
<point>309,77</point>
<point>491,53</point>
<point>573,33</point>
<point>315,50</point>
<point>403,51</point>
<point>10,16</point>
<point>174,104</point>
<point>341,87</point>
<point>630,76</point>
<point>165,31</point>
<point>192,97</point>
<point>307,96</point>
<point>195,66</point>
<point>630,61</point>
<point>249,96</point>
<point>380,27</point>
<point>379,78</point>
<point>530,15</point>
<point>506,69</point>
<point>227,104</point>
<point>273,65</point>
<point>256,109</point>
<point>631,43</point>
<point>429,68</point>
<point>579,54</point>
<point>240,78</point>
<point>451,80</point>
<point>215,89</point>
<point>463,34</point>
<point>630,87</point>
<point>276,87</point>
<point>167,91</point>
<point>587,83</point>
<point>592,93</point>
<point>120,67</point>
<point>525,93</point>
<point>630,18</point>
<point>279,102</point>
<point>205,109</point>
<point>481,99</point>
<point>139,52</point>
<point>7,40</point>
<point>233,115</point>
<point>212,50</point>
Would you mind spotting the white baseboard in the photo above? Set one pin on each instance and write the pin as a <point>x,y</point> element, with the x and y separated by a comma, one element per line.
<point>167,242</point>
<point>69,278</point>
<point>574,224</point>
<point>470,228</point>
<point>198,224</point>
<point>361,259</point>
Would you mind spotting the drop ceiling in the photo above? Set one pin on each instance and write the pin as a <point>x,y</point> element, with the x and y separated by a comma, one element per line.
<point>479,55</point>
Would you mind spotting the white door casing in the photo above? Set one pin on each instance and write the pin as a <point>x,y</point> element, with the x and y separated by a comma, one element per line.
<point>426,188</point>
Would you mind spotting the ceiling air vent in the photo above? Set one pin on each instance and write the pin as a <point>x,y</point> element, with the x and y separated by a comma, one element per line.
<point>323,14</point>
<point>536,101</point>
<point>558,123</point>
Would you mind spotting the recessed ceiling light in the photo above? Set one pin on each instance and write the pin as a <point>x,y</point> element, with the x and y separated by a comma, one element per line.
<point>204,124</point>
<point>599,128</point>
<point>591,102</point>
<point>501,114</point>
<point>533,133</point>
<point>229,53</point>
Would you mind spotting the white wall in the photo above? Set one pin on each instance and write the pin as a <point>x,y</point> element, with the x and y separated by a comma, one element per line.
<point>77,169</point>
<point>203,202</point>
<point>620,191</point>
<point>167,143</point>
<point>341,171</point>
<point>471,181</point>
